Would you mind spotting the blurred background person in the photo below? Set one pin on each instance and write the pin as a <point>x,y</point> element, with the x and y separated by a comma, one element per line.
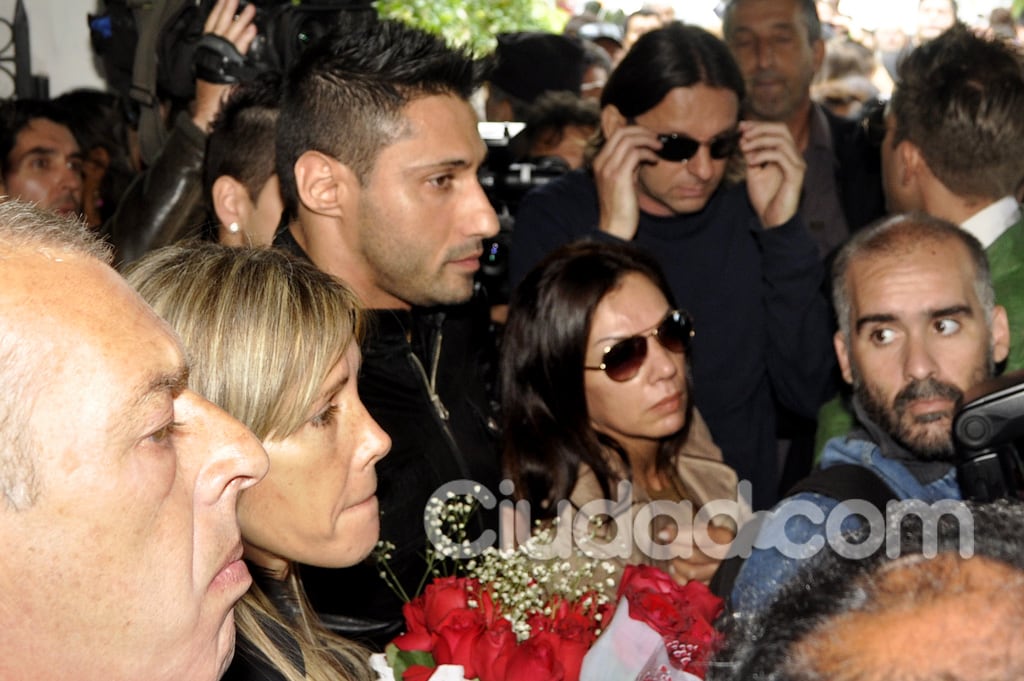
<point>666,10</point>
<point>597,66</point>
<point>891,44</point>
<point>528,64</point>
<point>240,184</point>
<point>638,23</point>
<point>844,83</point>
<point>41,160</point>
<point>934,17</point>
<point>559,126</point>
<point>1001,24</point>
<point>779,48</point>
<point>606,35</point>
<point>109,144</point>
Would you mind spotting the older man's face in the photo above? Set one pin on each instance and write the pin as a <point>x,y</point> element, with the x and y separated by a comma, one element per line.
<point>934,17</point>
<point>770,42</point>
<point>126,565</point>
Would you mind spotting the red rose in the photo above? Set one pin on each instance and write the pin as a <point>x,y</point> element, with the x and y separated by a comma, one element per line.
<point>443,596</point>
<point>486,605</point>
<point>645,578</point>
<point>567,651</point>
<point>533,660</point>
<point>413,613</point>
<point>701,601</point>
<point>681,614</point>
<point>416,636</point>
<point>456,639</point>
<point>661,611</point>
<point>416,640</point>
<point>493,649</point>
<point>692,649</point>
<point>575,626</point>
<point>418,672</point>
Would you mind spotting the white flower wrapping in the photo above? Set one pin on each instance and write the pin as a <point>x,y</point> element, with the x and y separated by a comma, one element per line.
<point>445,672</point>
<point>630,649</point>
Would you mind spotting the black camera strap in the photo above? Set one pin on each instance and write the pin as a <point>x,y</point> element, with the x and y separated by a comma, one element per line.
<point>217,60</point>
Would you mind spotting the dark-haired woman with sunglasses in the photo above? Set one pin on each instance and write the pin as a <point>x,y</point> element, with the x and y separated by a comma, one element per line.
<point>596,393</point>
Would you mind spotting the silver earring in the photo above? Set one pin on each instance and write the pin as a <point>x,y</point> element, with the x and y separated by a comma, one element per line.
<point>233,228</point>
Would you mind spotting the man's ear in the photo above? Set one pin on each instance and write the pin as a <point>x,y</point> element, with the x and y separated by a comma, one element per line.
<point>1001,339</point>
<point>611,120</point>
<point>911,162</point>
<point>839,343</point>
<point>324,184</point>
<point>818,54</point>
<point>230,200</point>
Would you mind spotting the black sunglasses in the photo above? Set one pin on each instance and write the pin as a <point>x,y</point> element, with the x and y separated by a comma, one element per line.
<point>623,360</point>
<point>678,148</point>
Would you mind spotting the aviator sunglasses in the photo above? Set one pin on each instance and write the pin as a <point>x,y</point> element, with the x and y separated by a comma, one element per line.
<point>622,361</point>
<point>678,147</point>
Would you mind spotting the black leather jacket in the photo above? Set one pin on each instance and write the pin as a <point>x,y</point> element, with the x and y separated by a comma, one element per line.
<point>427,377</point>
<point>164,203</point>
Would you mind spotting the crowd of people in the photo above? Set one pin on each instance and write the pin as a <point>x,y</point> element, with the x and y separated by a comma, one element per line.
<point>771,267</point>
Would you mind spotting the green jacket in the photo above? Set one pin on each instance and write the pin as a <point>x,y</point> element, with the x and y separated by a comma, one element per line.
<point>1006,262</point>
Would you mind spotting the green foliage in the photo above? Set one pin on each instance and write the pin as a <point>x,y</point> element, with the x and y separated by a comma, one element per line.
<point>474,23</point>
<point>400,660</point>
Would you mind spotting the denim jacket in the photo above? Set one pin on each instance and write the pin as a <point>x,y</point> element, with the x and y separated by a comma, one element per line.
<point>800,537</point>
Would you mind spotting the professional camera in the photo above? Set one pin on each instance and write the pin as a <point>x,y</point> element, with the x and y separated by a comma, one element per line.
<point>988,430</point>
<point>152,50</point>
<point>284,31</point>
<point>506,181</point>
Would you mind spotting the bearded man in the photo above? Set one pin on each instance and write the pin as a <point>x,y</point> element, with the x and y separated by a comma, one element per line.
<point>918,327</point>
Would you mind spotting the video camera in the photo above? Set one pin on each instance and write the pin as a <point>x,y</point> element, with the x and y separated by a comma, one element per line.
<point>987,431</point>
<point>152,50</point>
<point>506,181</point>
<point>284,31</point>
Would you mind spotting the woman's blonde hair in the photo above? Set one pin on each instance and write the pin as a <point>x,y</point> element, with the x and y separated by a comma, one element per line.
<point>262,330</point>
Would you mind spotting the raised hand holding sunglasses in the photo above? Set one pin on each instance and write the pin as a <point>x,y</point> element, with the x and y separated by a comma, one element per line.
<point>775,171</point>
<point>669,162</point>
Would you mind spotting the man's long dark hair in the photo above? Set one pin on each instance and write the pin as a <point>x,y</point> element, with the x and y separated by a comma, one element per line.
<point>676,55</point>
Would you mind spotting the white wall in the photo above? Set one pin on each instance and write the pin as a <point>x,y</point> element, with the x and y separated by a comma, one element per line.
<point>59,37</point>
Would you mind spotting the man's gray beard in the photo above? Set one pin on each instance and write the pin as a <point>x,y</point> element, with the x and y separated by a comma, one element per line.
<point>890,417</point>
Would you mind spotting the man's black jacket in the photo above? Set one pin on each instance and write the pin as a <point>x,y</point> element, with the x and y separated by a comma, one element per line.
<point>427,377</point>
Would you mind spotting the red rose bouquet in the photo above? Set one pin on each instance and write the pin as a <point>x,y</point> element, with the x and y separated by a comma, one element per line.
<point>511,616</point>
<point>661,630</point>
<point>507,615</point>
<point>461,621</point>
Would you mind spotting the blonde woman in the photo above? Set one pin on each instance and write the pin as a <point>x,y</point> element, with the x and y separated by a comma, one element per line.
<point>274,342</point>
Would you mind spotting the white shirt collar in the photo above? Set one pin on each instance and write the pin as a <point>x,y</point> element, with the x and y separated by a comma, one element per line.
<point>989,223</point>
